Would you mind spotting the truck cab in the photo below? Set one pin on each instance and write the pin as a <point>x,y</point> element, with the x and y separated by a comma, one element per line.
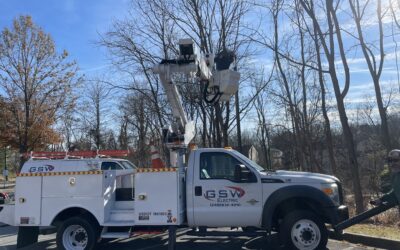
<point>225,188</point>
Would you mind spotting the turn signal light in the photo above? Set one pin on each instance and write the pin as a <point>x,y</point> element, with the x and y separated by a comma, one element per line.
<point>328,191</point>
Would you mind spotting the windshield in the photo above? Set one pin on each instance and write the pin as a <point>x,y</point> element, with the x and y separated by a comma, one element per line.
<point>249,162</point>
<point>127,164</point>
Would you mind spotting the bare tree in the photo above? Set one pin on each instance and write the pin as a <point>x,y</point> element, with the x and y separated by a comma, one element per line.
<point>216,26</point>
<point>375,68</point>
<point>263,131</point>
<point>394,9</point>
<point>149,35</point>
<point>394,6</point>
<point>139,118</point>
<point>68,129</point>
<point>328,44</point>
<point>96,109</point>
<point>123,137</point>
<point>137,44</point>
<point>327,126</point>
<point>289,91</point>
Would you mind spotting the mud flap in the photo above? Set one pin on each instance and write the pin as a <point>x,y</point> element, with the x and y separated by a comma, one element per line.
<point>27,236</point>
<point>172,238</point>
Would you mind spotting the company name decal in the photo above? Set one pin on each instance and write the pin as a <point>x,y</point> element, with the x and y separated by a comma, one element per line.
<point>230,196</point>
<point>45,168</point>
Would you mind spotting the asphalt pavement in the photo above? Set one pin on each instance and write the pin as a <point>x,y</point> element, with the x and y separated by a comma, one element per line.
<point>159,242</point>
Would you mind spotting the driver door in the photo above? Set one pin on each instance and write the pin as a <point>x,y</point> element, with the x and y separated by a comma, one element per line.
<point>220,198</point>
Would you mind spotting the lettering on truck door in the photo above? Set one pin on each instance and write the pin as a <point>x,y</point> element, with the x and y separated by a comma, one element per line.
<point>220,199</point>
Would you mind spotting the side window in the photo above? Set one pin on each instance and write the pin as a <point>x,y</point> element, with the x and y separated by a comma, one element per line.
<point>110,166</point>
<point>217,165</point>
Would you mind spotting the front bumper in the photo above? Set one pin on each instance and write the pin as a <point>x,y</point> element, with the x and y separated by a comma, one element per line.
<point>338,214</point>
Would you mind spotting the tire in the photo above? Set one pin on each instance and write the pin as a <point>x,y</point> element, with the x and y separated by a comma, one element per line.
<point>303,230</point>
<point>77,233</point>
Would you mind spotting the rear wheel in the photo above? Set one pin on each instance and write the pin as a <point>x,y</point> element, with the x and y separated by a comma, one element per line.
<point>77,233</point>
<point>303,230</point>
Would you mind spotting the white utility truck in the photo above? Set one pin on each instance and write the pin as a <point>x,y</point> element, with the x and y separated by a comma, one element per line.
<point>218,188</point>
<point>214,187</point>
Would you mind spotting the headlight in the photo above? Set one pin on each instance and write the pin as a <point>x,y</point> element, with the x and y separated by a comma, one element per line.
<point>331,190</point>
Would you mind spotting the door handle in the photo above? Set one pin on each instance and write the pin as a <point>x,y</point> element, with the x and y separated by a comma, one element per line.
<point>198,191</point>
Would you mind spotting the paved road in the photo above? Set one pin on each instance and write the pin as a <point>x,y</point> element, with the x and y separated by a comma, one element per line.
<point>159,242</point>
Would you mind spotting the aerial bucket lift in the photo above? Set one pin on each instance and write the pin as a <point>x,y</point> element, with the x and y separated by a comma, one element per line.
<point>219,81</point>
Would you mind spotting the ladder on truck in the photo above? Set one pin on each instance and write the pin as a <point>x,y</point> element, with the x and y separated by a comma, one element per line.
<point>58,155</point>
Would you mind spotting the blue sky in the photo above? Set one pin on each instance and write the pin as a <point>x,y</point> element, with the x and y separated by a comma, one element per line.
<point>73,24</point>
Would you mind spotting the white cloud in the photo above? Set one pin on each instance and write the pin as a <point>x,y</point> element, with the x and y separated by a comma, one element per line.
<point>96,68</point>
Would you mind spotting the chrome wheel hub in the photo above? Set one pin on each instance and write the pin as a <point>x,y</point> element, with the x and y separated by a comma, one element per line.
<point>305,235</point>
<point>75,237</point>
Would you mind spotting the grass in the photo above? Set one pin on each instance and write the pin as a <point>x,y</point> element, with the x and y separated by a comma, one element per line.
<point>389,232</point>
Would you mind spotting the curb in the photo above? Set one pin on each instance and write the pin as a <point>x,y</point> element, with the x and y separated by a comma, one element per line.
<point>366,240</point>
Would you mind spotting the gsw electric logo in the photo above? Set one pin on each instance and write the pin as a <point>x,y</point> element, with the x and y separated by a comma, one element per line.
<point>231,194</point>
<point>45,168</point>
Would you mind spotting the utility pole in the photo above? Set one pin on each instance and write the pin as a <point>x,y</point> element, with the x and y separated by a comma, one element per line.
<point>5,171</point>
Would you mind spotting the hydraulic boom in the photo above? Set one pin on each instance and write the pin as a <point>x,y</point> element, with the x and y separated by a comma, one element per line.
<point>218,83</point>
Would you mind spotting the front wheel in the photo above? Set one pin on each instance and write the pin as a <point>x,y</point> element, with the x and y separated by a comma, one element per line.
<point>77,233</point>
<point>303,230</point>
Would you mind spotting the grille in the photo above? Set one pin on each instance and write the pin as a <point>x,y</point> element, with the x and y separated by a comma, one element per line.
<point>340,190</point>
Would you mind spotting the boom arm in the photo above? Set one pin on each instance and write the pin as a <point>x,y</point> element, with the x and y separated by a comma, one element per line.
<point>173,97</point>
<point>220,83</point>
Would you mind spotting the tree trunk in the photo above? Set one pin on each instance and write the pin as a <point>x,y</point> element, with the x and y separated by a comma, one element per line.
<point>292,111</point>
<point>374,69</point>
<point>217,123</point>
<point>238,128</point>
<point>204,134</point>
<point>327,125</point>
<point>348,135</point>
<point>340,95</point>
<point>97,130</point>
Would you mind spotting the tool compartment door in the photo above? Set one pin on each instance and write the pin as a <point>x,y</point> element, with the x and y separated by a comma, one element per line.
<point>158,197</point>
<point>28,199</point>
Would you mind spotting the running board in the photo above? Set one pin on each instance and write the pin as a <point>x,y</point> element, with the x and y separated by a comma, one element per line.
<point>119,223</point>
<point>116,235</point>
<point>221,233</point>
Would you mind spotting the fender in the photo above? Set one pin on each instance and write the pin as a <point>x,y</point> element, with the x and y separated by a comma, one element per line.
<point>295,191</point>
<point>77,207</point>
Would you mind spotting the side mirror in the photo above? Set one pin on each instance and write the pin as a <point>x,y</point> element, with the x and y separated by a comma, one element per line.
<point>243,174</point>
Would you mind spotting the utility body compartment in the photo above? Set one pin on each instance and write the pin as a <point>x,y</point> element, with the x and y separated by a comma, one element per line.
<point>159,196</point>
<point>39,198</point>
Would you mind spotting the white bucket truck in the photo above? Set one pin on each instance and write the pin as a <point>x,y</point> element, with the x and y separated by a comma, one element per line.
<point>217,187</point>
